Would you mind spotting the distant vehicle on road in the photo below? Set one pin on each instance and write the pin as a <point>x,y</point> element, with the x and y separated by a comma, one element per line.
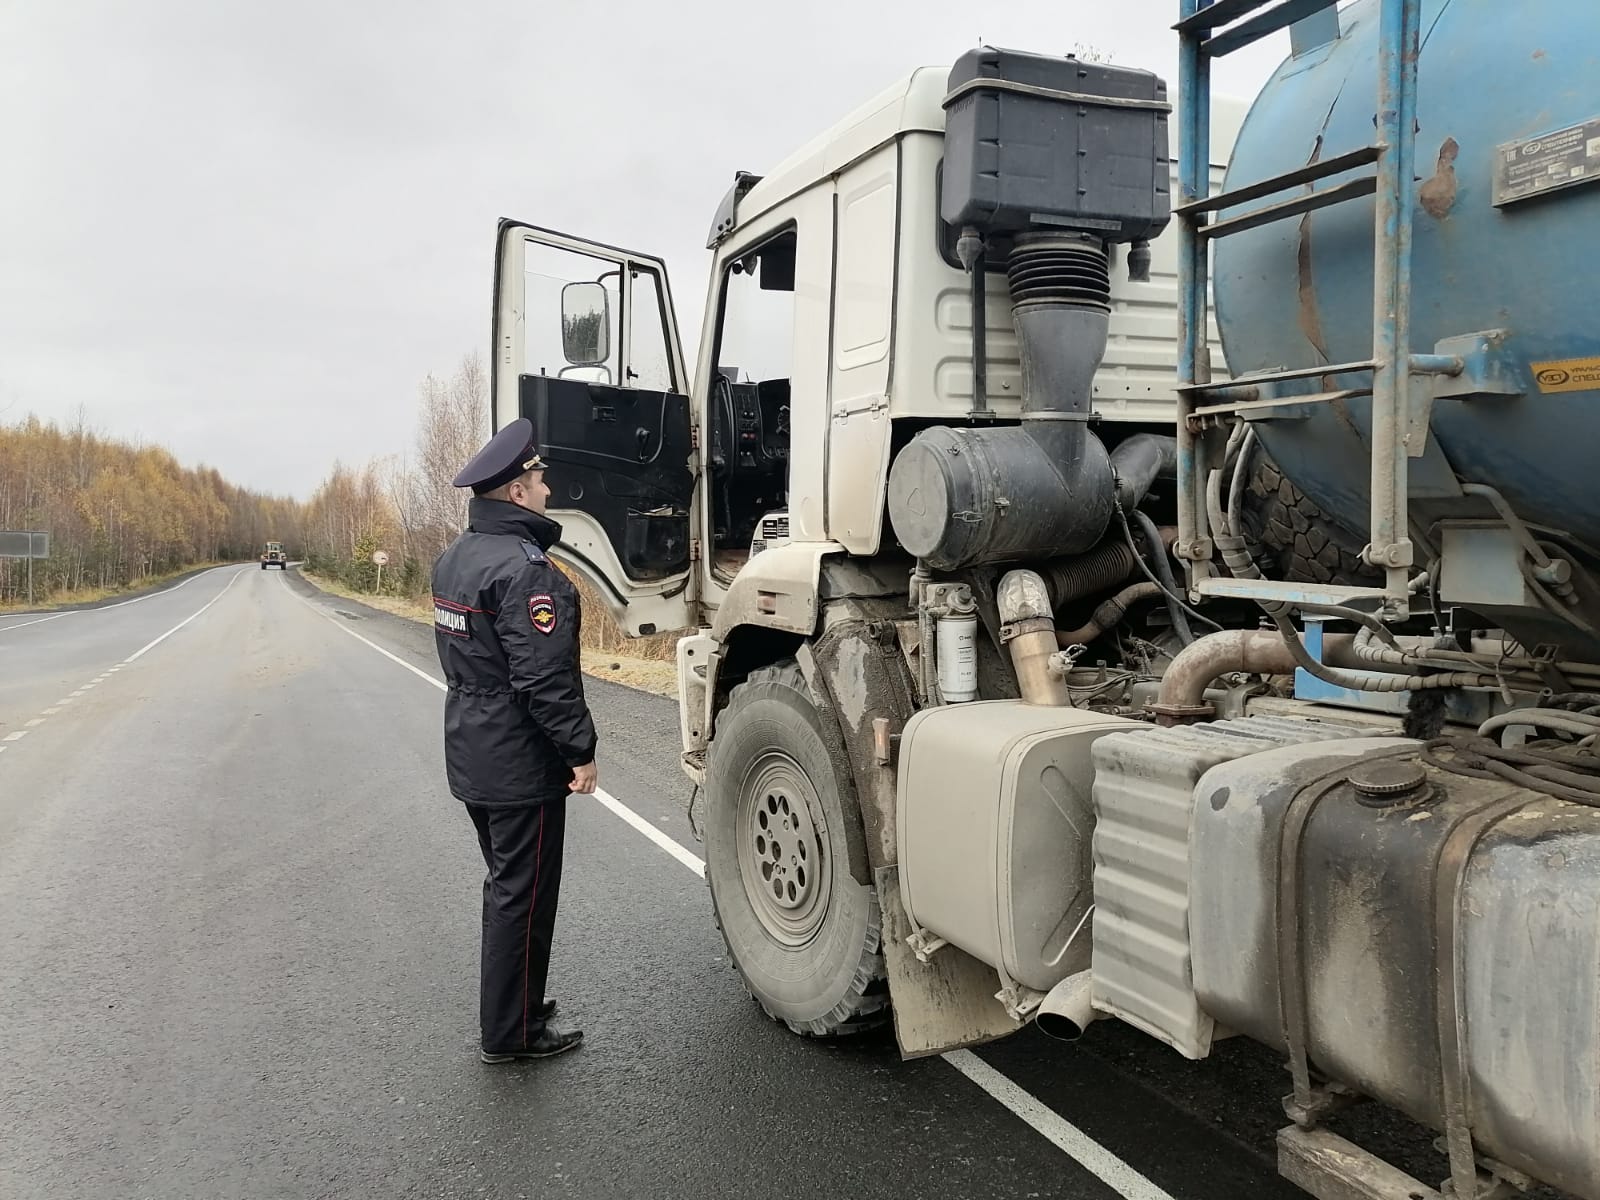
<point>274,556</point>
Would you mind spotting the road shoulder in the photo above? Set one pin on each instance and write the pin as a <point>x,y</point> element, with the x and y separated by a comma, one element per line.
<point>643,675</point>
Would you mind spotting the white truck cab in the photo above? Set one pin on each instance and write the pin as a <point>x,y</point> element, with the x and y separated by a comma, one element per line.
<point>838,323</point>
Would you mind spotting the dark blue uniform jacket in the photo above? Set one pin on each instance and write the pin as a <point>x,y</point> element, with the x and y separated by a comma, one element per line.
<point>506,622</point>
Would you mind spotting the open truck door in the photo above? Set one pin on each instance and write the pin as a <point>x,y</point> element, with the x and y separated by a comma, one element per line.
<point>586,347</point>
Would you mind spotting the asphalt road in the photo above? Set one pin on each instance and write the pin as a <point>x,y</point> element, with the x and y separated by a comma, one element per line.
<point>238,952</point>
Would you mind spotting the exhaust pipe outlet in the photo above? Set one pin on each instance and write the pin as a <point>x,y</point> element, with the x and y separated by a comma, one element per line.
<point>1067,1010</point>
<point>1041,489</point>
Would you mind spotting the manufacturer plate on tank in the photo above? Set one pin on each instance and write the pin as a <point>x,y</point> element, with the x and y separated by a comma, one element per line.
<point>1547,163</point>
<point>1567,375</point>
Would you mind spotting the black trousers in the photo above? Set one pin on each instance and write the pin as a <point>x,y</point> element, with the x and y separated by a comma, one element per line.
<point>522,850</point>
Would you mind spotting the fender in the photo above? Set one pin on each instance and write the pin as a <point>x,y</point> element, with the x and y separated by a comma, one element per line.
<point>778,589</point>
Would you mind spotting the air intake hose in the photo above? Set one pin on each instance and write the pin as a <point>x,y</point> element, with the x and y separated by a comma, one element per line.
<point>1043,488</point>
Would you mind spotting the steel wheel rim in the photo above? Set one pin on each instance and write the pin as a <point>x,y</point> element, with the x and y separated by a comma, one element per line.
<point>783,859</point>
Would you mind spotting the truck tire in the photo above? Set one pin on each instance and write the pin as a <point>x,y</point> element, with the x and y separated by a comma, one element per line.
<point>1290,537</point>
<point>803,934</point>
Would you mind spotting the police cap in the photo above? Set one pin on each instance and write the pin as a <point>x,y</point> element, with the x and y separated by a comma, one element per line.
<point>504,457</point>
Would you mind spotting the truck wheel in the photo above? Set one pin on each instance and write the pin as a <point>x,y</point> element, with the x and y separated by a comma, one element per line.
<point>802,932</point>
<point>1290,536</point>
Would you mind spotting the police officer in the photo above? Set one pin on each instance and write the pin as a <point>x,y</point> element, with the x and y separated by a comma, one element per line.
<point>518,736</point>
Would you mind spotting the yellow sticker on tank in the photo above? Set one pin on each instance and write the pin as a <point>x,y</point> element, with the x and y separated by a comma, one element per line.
<point>1567,375</point>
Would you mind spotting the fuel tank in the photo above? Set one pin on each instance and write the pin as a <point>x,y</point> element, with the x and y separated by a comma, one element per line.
<point>1416,918</point>
<point>1507,221</point>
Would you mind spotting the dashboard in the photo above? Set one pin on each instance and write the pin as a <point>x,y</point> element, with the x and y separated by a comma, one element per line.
<point>750,426</point>
<point>749,456</point>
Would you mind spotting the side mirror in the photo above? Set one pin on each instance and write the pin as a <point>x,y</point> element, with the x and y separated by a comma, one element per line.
<point>585,324</point>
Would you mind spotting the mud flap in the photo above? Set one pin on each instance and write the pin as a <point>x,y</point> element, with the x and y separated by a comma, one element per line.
<point>944,1003</point>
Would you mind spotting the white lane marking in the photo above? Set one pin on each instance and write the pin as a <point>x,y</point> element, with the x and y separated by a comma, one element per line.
<point>77,693</point>
<point>606,799</point>
<point>104,607</point>
<point>148,595</point>
<point>15,737</point>
<point>1067,1137</point>
<point>678,851</point>
<point>36,621</point>
<point>1061,1133</point>
<point>394,658</point>
<point>3,749</point>
<point>35,723</point>
<point>140,653</point>
<point>50,712</point>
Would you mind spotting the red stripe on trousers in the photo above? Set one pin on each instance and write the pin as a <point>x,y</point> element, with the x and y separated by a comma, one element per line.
<point>527,936</point>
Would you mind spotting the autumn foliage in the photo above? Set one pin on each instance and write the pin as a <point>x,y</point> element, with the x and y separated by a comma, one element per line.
<point>120,514</point>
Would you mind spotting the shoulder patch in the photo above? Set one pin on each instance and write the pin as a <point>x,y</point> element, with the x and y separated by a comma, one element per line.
<point>452,618</point>
<point>542,612</point>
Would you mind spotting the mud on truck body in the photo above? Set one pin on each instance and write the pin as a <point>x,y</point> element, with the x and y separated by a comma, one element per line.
<point>1040,669</point>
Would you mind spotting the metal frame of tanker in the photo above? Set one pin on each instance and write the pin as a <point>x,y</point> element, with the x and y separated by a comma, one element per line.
<point>1402,383</point>
<point>1402,387</point>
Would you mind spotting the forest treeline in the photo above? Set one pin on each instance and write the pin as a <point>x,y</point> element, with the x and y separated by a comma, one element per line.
<point>119,514</point>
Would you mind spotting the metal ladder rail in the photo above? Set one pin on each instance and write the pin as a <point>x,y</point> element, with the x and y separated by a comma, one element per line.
<point>1391,363</point>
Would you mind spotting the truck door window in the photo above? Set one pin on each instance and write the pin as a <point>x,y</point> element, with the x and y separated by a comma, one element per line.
<point>548,272</point>
<point>648,365</point>
<point>749,414</point>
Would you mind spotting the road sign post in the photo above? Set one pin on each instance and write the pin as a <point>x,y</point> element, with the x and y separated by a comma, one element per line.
<point>25,543</point>
<point>380,557</point>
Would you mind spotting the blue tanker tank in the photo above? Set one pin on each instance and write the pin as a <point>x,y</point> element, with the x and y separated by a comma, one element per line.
<point>1506,230</point>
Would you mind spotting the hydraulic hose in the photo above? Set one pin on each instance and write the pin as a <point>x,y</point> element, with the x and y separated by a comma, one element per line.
<point>1163,569</point>
<point>1109,613</point>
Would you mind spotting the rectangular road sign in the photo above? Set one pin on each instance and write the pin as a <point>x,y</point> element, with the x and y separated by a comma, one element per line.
<point>24,544</point>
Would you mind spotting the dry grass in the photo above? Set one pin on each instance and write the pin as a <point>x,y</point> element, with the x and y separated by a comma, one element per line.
<point>647,664</point>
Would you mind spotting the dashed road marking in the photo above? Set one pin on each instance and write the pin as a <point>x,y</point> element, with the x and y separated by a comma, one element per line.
<point>15,737</point>
<point>35,723</point>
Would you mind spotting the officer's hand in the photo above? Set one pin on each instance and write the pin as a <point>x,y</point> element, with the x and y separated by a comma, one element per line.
<point>584,779</point>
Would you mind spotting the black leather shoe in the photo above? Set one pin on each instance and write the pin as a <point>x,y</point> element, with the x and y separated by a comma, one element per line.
<point>549,1042</point>
<point>546,1010</point>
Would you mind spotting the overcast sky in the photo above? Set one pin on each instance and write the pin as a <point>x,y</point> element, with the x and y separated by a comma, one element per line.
<point>246,231</point>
